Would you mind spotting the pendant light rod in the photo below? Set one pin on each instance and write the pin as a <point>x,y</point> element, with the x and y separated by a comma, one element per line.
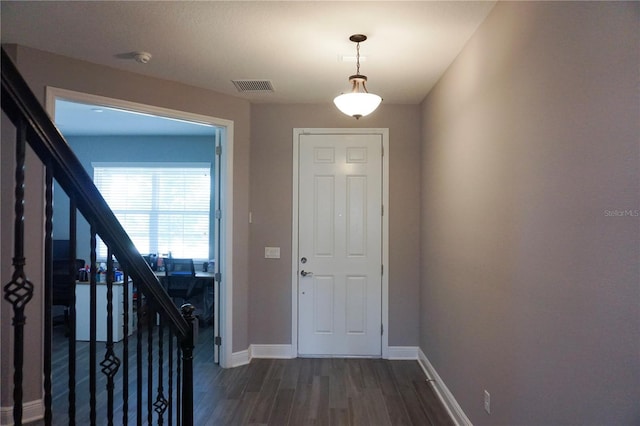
<point>358,38</point>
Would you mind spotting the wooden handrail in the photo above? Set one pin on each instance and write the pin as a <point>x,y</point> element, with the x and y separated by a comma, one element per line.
<point>19,102</point>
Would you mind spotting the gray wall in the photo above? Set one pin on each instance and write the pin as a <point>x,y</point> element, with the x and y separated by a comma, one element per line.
<point>271,197</point>
<point>123,149</point>
<point>530,288</point>
<point>41,69</point>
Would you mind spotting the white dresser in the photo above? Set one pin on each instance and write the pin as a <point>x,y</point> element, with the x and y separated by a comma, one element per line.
<point>83,307</point>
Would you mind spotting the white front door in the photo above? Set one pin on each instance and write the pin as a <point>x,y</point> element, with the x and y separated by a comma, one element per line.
<point>340,244</point>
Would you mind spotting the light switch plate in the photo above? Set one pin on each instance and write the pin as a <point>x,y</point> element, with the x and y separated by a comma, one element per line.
<point>272,252</point>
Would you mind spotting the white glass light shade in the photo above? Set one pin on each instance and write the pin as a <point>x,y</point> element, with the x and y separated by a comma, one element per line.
<point>357,104</point>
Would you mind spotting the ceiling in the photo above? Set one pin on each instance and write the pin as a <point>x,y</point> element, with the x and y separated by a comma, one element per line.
<point>295,45</point>
<point>79,119</point>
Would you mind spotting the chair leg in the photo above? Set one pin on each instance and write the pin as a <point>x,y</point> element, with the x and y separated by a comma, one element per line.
<point>67,326</point>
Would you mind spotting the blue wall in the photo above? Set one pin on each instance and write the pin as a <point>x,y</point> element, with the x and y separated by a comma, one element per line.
<point>89,149</point>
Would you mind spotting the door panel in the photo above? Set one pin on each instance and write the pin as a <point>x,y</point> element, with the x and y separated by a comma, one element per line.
<point>323,310</point>
<point>357,215</point>
<point>357,303</point>
<point>340,235</point>
<point>324,226</point>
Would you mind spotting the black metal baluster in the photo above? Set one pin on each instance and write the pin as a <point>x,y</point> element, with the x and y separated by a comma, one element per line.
<point>92,329</point>
<point>151,318</point>
<point>187,363</point>
<point>110,364</point>
<point>178,385</point>
<point>160,405</point>
<point>19,290</point>
<point>72,317</point>
<point>48,291</point>
<point>170,374</point>
<point>125,352</point>
<point>140,315</point>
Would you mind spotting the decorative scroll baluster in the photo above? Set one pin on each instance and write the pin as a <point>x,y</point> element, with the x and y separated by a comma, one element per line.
<point>92,328</point>
<point>151,316</point>
<point>19,290</point>
<point>110,364</point>
<point>160,405</point>
<point>48,291</point>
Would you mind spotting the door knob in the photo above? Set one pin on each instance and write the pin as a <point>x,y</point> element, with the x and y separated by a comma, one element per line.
<point>305,273</point>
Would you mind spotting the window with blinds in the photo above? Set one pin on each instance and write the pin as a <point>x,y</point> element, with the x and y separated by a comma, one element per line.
<point>164,207</point>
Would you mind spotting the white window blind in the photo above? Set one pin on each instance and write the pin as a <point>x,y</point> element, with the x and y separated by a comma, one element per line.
<point>164,207</point>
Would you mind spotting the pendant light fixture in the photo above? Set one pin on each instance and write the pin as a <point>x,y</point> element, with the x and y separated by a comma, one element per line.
<point>359,102</point>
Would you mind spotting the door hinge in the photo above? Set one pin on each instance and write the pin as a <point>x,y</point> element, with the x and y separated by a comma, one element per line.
<point>382,329</point>
<point>381,269</point>
<point>218,214</point>
<point>218,341</point>
<point>382,209</point>
<point>218,150</point>
<point>218,277</point>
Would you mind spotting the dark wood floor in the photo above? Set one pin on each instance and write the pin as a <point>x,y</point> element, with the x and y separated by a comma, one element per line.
<point>302,391</point>
<point>327,391</point>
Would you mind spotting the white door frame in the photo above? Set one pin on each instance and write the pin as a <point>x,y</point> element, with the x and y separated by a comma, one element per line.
<point>224,259</point>
<point>385,229</point>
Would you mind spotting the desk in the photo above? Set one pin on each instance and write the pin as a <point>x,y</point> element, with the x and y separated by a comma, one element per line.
<point>83,307</point>
<point>205,311</point>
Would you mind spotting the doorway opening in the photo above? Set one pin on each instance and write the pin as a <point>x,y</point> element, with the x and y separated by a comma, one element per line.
<point>159,132</point>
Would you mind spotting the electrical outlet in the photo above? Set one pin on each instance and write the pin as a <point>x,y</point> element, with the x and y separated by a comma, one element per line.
<point>487,402</point>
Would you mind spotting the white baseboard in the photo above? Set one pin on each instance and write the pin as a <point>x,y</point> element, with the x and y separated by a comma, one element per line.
<point>286,352</point>
<point>447,398</point>
<point>31,411</point>
<point>272,351</point>
<point>261,351</point>
<point>402,352</point>
<point>240,358</point>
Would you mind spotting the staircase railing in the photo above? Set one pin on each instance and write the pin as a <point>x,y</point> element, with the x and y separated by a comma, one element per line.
<point>154,399</point>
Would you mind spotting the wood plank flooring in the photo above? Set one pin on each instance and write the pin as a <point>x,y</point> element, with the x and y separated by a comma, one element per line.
<point>324,391</point>
<point>302,391</point>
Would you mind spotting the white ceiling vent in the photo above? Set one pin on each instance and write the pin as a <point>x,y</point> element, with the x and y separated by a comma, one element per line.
<point>253,85</point>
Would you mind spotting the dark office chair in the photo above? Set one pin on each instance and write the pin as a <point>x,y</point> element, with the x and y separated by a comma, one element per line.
<point>63,281</point>
<point>181,282</point>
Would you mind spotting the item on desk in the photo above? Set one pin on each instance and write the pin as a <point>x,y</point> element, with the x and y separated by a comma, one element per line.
<point>153,261</point>
<point>84,273</point>
<point>212,266</point>
<point>101,277</point>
